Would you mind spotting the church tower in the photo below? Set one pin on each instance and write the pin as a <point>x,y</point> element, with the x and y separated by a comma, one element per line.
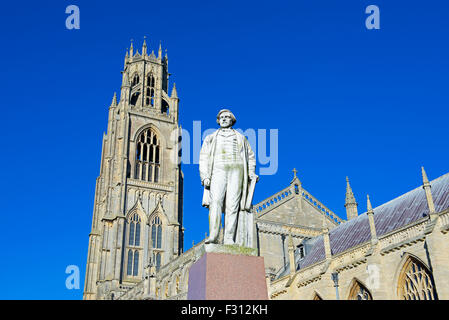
<point>137,215</point>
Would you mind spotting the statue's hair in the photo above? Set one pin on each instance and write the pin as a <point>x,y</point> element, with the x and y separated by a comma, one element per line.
<point>234,120</point>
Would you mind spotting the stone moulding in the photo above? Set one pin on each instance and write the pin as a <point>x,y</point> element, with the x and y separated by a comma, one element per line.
<point>151,115</point>
<point>279,229</point>
<point>146,184</point>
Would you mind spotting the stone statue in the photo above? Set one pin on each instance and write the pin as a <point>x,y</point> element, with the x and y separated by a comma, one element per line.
<point>227,170</point>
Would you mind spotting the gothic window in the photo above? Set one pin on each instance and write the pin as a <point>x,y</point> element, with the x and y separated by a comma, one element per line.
<point>150,89</point>
<point>134,235</point>
<point>416,282</point>
<point>136,80</point>
<point>359,292</point>
<point>148,160</point>
<point>134,230</point>
<point>156,232</point>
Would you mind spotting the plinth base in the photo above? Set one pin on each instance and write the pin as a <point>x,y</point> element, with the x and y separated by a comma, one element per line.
<point>222,276</point>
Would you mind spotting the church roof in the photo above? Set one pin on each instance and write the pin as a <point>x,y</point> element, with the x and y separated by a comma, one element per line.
<point>395,214</point>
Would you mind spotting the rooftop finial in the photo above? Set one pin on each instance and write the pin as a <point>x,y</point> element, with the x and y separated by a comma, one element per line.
<point>350,203</point>
<point>144,46</point>
<point>131,49</point>
<point>160,50</point>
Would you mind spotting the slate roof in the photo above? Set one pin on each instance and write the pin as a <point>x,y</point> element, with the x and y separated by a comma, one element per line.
<point>395,214</point>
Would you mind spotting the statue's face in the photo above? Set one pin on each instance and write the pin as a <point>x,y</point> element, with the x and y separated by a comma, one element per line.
<point>225,120</point>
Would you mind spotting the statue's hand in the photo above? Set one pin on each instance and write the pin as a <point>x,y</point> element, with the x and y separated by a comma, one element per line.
<point>254,176</point>
<point>206,182</point>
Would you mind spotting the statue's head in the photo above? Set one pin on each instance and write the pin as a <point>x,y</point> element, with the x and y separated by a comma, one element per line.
<point>225,118</point>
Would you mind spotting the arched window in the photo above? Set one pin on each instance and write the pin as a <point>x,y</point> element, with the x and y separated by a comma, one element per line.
<point>156,232</point>
<point>134,241</point>
<point>416,282</point>
<point>150,89</point>
<point>148,162</point>
<point>359,292</point>
<point>134,230</point>
<point>136,80</point>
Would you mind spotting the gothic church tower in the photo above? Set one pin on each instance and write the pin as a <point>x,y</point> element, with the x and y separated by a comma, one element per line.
<point>137,216</point>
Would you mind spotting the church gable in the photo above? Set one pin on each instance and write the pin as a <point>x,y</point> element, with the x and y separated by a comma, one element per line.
<point>296,206</point>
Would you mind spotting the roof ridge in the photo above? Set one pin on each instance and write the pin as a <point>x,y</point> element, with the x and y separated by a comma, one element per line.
<point>407,193</point>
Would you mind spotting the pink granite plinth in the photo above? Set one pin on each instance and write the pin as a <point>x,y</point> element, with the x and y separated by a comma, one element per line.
<point>219,276</point>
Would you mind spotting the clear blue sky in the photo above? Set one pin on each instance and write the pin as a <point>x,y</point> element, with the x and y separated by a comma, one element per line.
<point>370,104</point>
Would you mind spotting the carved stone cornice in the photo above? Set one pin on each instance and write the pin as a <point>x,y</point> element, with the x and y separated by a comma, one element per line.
<point>149,185</point>
<point>403,244</point>
<point>151,115</point>
<point>285,229</point>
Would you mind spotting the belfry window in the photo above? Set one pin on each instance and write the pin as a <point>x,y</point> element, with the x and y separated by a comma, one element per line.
<point>136,80</point>
<point>150,89</point>
<point>148,162</point>
<point>416,282</point>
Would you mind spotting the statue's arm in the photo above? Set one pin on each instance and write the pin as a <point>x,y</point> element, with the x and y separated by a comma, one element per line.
<point>251,160</point>
<point>204,160</point>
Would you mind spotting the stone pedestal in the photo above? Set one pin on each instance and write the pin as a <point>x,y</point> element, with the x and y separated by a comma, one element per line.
<point>227,273</point>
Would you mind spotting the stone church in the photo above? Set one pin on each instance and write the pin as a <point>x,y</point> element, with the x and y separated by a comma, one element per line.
<point>398,250</point>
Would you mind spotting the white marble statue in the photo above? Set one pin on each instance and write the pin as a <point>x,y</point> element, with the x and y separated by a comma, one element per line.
<point>227,170</point>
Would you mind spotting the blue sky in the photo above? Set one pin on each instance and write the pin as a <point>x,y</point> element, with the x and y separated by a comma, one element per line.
<point>347,101</point>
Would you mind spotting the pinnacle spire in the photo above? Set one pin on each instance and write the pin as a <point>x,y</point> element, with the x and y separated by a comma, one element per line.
<point>350,199</point>
<point>369,207</point>
<point>160,50</point>
<point>174,92</point>
<point>144,46</point>
<point>426,186</point>
<point>350,203</point>
<point>131,49</point>
<point>425,180</point>
<point>114,99</point>
<point>372,225</point>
